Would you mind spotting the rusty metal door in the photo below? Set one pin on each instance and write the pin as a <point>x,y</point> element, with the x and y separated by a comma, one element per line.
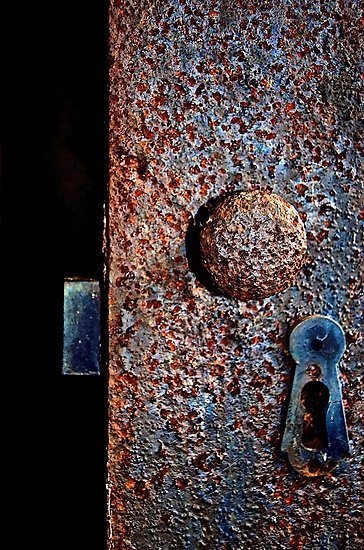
<point>209,97</point>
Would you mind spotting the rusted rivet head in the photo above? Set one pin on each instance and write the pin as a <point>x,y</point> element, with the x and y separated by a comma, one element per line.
<point>253,244</point>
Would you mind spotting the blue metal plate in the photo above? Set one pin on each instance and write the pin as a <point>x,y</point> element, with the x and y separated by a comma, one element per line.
<point>81,327</point>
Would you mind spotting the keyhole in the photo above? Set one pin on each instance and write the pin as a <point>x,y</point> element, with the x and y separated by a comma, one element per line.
<point>315,397</point>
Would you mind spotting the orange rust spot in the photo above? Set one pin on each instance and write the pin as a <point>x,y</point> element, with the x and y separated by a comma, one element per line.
<point>181,483</point>
<point>200,461</point>
<point>125,431</point>
<point>301,189</point>
<point>233,386</point>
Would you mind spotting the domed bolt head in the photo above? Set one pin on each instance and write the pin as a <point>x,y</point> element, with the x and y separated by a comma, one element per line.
<point>253,244</point>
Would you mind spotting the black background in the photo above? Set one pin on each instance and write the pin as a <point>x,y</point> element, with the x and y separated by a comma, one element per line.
<point>53,184</point>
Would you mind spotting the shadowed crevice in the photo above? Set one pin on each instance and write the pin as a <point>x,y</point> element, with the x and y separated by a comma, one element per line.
<point>193,244</point>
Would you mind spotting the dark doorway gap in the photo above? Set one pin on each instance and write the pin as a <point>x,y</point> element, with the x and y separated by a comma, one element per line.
<point>54,136</point>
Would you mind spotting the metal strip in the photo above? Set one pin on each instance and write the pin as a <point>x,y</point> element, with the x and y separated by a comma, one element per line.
<point>81,327</point>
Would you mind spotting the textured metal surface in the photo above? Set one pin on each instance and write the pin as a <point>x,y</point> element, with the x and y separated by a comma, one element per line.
<point>207,98</point>
<point>252,244</point>
<point>316,344</point>
<point>81,327</point>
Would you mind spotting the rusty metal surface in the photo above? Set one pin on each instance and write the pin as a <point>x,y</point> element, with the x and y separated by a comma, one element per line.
<point>252,244</point>
<point>207,98</point>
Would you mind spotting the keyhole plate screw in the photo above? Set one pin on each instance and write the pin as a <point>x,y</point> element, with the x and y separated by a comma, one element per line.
<point>253,244</point>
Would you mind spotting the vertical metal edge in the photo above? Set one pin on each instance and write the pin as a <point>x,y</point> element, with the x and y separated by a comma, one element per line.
<point>105,354</point>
